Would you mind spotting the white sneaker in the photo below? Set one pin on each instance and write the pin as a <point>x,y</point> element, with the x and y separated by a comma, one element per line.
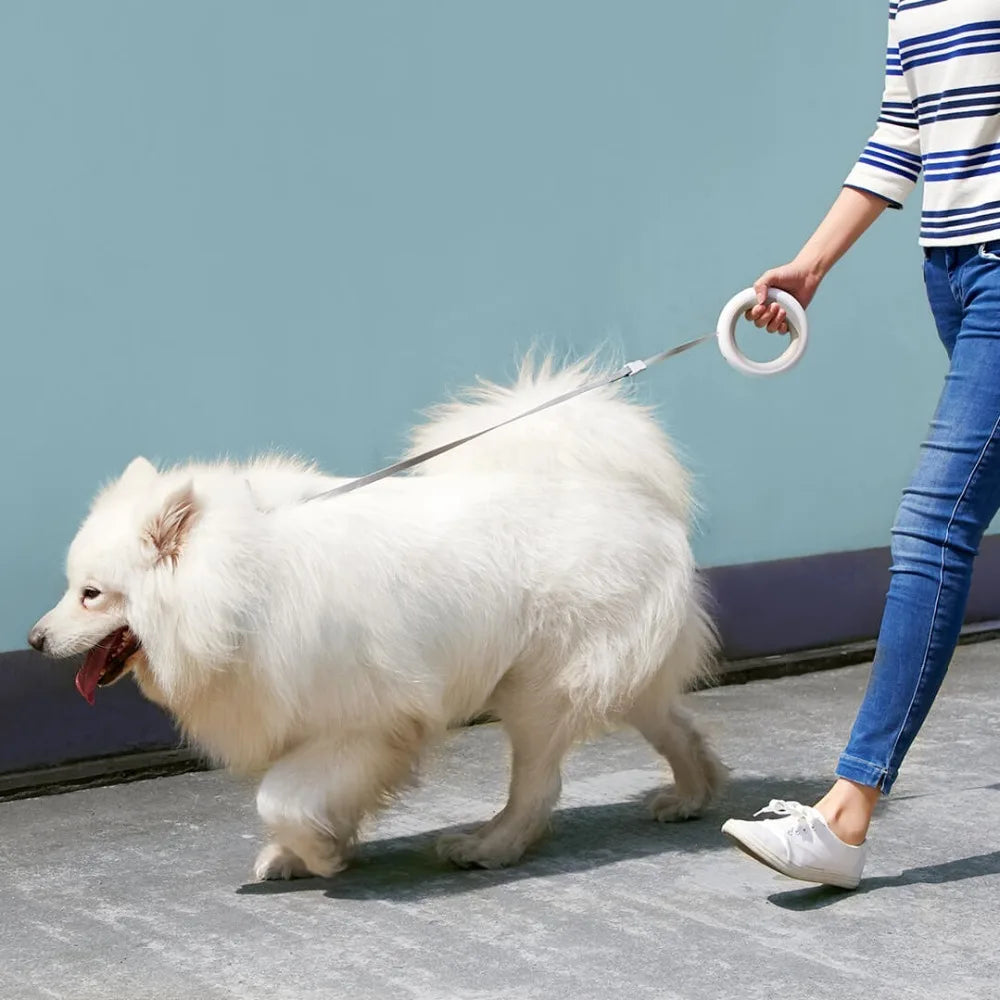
<point>800,845</point>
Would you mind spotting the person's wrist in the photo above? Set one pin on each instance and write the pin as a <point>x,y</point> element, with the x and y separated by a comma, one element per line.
<point>813,265</point>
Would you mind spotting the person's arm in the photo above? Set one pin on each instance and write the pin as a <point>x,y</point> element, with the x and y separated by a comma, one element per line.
<point>850,215</point>
<point>883,177</point>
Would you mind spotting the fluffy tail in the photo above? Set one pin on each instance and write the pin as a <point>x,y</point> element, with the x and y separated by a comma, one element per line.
<point>601,433</point>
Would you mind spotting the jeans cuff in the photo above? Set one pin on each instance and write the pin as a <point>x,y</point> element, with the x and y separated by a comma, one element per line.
<point>864,773</point>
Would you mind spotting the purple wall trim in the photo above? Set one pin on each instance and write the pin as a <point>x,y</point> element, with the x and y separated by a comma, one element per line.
<point>818,601</point>
<point>763,609</point>
<point>43,721</point>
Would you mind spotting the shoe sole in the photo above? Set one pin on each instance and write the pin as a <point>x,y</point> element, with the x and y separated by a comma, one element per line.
<point>760,853</point>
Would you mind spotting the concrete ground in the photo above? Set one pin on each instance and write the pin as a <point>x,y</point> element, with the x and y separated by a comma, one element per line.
<point>140,891</point>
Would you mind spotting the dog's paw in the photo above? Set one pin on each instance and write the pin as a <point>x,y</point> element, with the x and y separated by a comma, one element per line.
<point>666,806</point>
<point>470,850</point>
<point>277,862</point>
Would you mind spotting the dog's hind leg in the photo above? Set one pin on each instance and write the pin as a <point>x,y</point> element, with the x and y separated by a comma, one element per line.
<point>313,799</point>
<point>699,774</point>
<point>540,736</point>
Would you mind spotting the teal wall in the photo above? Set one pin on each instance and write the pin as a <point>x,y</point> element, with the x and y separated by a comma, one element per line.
<point>226,226</point>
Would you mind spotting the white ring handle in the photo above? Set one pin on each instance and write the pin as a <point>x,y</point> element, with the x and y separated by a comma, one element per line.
<point>798,329</point>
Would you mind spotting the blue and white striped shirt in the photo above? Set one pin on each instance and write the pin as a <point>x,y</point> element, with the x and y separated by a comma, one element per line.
<point>940,116</point>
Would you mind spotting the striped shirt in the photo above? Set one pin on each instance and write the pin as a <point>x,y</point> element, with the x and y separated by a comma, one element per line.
<point>940,116</point>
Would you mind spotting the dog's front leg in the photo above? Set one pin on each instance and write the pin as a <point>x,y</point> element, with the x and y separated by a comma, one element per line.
<point>313,799</point>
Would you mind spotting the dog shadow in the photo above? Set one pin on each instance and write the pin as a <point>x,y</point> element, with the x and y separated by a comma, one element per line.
<point>407,869</point>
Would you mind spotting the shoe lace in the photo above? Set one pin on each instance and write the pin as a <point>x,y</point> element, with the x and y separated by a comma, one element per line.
<point>802,815</point>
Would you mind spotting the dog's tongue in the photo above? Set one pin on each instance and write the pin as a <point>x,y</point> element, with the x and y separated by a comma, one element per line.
<point>93,668</point>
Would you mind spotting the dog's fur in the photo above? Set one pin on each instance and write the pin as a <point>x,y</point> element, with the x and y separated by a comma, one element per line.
<point>541,573</point>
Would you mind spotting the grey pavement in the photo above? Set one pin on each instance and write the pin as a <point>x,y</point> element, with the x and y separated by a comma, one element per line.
<point>140,891</point>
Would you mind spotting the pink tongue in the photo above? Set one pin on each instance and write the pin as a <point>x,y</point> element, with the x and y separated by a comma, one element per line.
<point>92,670</point>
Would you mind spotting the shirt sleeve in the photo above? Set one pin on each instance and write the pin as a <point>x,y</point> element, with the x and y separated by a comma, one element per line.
<point>890,163</point>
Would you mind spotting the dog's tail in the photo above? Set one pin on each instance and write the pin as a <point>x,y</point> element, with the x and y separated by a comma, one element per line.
<point>600,433</point>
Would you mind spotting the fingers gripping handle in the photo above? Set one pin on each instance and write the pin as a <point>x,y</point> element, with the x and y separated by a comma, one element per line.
<point>798,330</point>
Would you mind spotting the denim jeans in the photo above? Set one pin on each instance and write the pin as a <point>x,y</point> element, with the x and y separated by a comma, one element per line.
<point>951,499</point>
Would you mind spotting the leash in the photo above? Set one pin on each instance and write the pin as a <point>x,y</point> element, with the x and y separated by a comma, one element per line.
<point>725,334</point>
<point>632,368</point>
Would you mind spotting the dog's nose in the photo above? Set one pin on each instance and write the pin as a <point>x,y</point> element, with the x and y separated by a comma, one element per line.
<point>36,639</point>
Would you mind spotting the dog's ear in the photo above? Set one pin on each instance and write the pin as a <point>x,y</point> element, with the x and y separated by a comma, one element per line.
<point>138,472</point>
<point>167,531</point>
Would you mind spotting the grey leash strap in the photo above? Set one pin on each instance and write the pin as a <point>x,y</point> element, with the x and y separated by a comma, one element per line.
<point>632,368</point>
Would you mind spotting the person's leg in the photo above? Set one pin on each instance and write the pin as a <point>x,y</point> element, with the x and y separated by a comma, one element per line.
<point>953,495</point>
<point>951,500</point>
<point>849,804</point>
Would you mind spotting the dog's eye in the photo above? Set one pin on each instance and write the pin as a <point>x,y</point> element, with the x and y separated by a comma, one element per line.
<point>91,593</point>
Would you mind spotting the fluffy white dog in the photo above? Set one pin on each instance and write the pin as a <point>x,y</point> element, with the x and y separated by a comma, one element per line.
<point>541,573</point>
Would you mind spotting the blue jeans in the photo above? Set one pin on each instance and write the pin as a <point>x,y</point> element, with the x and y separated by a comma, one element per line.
<point>951,500</point>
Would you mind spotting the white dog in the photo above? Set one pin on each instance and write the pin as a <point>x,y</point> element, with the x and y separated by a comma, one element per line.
<point>541,573</point>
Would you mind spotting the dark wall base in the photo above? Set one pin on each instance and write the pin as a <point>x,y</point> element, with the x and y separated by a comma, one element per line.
<point>776,607</point>
<point>765,611</point>
<point>43,721</point>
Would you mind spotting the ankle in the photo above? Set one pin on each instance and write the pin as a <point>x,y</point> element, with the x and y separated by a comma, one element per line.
<point>848,827</point>
<point>847,809</point>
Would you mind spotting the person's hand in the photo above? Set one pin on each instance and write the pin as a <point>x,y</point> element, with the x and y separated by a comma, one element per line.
<point>797,279</point>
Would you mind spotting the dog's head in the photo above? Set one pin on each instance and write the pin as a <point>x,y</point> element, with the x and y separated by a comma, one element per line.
<point>135,532</point>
